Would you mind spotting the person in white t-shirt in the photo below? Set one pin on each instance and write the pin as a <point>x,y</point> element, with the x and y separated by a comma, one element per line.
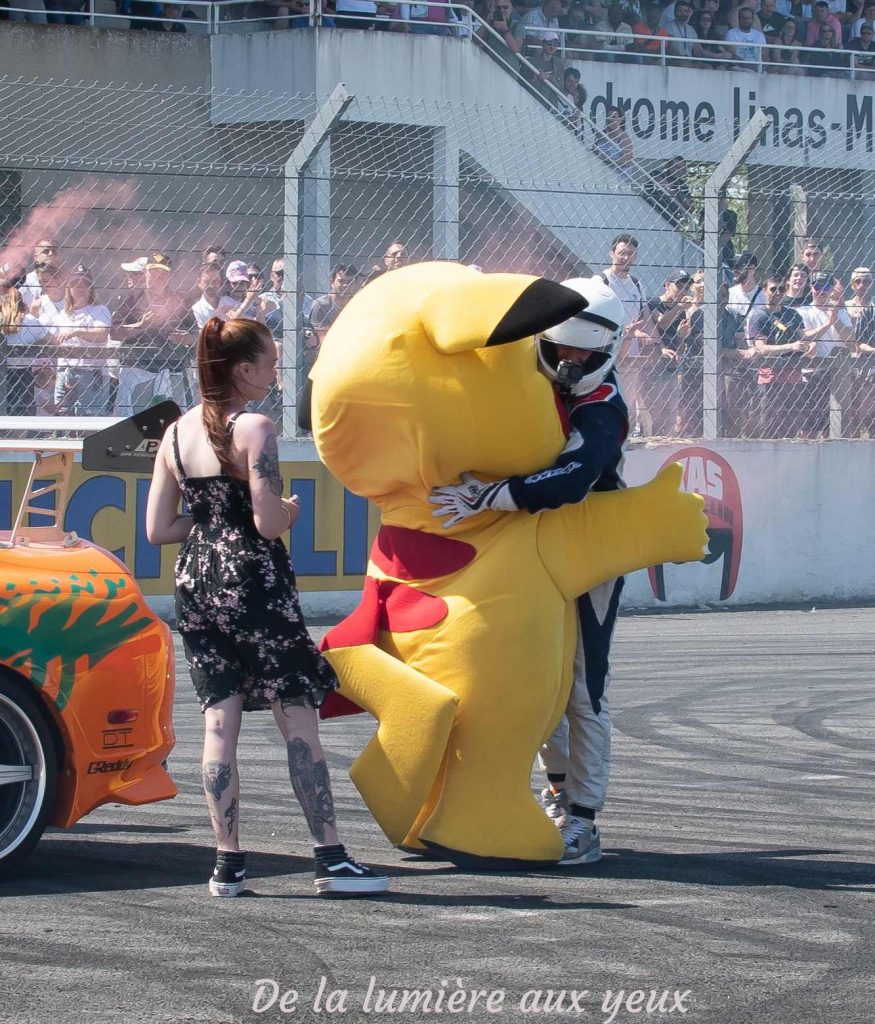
<point>19,329</point>
<point>209,283</point>
<point>827,323</point>
<point>748,55</point>
<point>637,328</point>
<point>868,18</point>
<point>81,329</point>
<point>745,293</point>
<point>46,259</point>
<point>246,283</point>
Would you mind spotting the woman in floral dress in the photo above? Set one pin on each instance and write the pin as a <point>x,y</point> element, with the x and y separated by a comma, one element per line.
<point>237,603</point>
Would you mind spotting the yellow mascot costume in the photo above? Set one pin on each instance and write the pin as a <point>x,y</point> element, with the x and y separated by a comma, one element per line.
<point>463,643</point>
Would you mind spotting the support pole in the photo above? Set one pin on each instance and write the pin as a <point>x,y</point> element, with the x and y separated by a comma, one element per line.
<point>323,123</point>
<point>445,195</point>
<point>713,190</point>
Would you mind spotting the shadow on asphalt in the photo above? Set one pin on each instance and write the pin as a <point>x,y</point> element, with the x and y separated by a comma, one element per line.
<point>793,868</point>
<point>83,865</point>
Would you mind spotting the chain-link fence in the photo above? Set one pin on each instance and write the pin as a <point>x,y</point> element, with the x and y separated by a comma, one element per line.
<point>130,215</point>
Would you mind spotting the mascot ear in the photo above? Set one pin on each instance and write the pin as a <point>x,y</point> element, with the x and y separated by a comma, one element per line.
<point>493,309</point>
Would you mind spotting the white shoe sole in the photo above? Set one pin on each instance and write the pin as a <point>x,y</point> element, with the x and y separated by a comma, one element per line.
<point>350,886</point>
<point>227,888</point>
<point>590,857</point>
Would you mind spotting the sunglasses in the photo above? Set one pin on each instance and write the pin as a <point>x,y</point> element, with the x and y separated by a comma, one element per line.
<point>278,273</point>
<point>776,288</point>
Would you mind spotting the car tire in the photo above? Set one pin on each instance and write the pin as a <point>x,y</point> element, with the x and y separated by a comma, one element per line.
<point>28,771</point>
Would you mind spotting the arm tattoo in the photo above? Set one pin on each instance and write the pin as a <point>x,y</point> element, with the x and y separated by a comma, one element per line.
<point>217,778</point>
<point>267,466</point>
<point>231,815</point>
<point>312,788</point>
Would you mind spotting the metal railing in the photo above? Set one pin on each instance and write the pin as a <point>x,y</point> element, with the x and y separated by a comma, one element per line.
<point>638,48</point>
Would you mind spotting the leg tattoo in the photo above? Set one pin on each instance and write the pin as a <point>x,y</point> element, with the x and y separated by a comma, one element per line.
<point>231,815</point>
<point>312,788</point>
<point>217,778</point>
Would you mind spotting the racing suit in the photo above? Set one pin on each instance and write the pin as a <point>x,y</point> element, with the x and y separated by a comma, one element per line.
<point>580,747</point>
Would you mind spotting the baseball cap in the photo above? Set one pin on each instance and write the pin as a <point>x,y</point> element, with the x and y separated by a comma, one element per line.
<point>677,276</point>
<point>860,272</point>
<point>745,259</point>
<point>550,37</point>
<point>80,270</point>
<point>236,271</point>
<point>136,266</point>
<point>158,261</point>
<point>821,281</point>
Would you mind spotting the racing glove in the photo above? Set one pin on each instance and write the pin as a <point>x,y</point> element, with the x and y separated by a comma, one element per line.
<point>469,498</point>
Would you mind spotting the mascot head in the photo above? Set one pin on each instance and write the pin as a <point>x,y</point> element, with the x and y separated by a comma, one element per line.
<point>432,370</point>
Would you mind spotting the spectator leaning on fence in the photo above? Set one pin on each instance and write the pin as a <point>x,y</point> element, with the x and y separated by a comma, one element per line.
<point>812,255</point>
<point>46,256</point>
<point>157,338</point>
<point>209,284</point>
<point>798,290</point>
<point>777,333</point>
<point>827,323</point>
<point>861,300</point>
<point>745,292</point>
<point>81,329</point>
<point>243,299</point>
<point>742,40</point>
<point>21,377</point>
<point>660,383</point>
<point>325,310</point>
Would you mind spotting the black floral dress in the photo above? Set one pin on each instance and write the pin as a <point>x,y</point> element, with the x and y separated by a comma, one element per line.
<point>237,606</point>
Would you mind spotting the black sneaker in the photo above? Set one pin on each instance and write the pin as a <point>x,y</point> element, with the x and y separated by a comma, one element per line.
<point>347,876</point>
<point>229,874</point>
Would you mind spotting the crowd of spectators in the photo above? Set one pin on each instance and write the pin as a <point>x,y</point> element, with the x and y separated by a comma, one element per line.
<point>66,350</point>
<point>784,36</point>
<point>794,348</point>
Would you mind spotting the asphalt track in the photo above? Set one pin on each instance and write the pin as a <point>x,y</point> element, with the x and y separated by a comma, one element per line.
<point>739,867</point>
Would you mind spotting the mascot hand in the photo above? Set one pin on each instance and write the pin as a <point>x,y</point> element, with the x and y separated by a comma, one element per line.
<point>470,498</point>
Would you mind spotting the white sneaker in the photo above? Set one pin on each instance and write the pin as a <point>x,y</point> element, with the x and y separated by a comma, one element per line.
<point>583,842</point>
<point>555,805</point>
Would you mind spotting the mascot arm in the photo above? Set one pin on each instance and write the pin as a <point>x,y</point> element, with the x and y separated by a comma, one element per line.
<point>415,715</point>
<point>615,532</point>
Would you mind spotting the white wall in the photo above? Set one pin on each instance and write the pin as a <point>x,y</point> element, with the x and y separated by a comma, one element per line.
<point>807,536</point>
<point>428,80</point>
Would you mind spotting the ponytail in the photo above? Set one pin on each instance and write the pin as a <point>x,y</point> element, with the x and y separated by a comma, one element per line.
<point>220,347</point>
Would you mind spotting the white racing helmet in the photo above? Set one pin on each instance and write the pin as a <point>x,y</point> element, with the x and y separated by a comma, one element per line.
<point>598,329</point>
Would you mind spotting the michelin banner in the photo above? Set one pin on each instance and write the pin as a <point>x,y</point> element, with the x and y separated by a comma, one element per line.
<point>789,522</point>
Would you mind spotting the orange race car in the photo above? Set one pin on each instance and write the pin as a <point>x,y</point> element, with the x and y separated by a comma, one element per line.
<point>86,668</point>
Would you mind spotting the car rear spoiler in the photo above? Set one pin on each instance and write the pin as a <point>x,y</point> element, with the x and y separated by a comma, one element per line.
<point>118,446</point>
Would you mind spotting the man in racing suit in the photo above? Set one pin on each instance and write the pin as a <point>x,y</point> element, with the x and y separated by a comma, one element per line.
<point>578,356</point>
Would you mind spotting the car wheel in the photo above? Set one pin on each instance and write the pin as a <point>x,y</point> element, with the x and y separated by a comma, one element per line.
<point>28,772</point>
